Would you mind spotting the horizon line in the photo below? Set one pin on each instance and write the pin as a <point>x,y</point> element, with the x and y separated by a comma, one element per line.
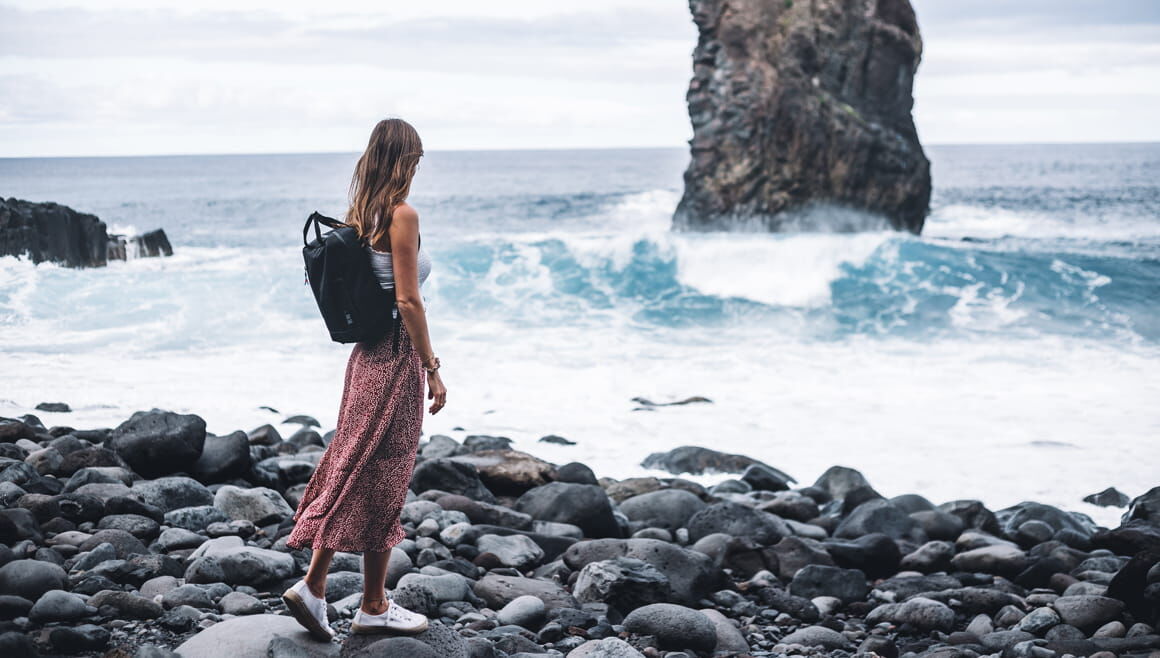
<point>516,149</point>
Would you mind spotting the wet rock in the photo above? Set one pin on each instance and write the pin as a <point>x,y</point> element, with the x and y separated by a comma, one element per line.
<point>576,473</point>
<point>1011,518</point>
<point>1110,497</point>
<point>697,461</point>
<point>1145,507</point>
<point>837,481</point>
<point>766,478</point>
<point>675,627</point>
<point>196,518</point>
<point>171,493</point>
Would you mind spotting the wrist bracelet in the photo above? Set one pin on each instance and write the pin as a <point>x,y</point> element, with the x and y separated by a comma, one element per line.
<point>432,368</point>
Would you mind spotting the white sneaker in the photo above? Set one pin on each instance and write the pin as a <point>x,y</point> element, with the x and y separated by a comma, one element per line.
<point>309,610</point>
<point>396,619</point>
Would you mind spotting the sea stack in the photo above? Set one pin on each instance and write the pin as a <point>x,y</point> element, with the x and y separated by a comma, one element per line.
<point>803,105</point>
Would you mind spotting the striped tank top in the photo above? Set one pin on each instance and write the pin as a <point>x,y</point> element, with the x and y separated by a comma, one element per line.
<point>384,269</point>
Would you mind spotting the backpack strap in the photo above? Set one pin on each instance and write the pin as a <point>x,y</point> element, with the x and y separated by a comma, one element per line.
<point>317,218</point>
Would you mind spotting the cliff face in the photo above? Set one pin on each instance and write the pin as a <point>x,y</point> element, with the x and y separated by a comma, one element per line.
<point>59,234</point>
<point>802,102</point>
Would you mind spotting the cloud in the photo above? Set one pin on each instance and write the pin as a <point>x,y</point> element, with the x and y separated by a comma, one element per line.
<point>124,76</point>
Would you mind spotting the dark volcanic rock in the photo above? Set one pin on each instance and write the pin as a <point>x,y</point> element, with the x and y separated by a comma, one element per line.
<point>223,458</point>
<point>1145,507</point>
<point>55,233</point>
<point>800,103</point>
<point>156,443</point>
<point>697,461</point>
<point>740,521</point>
<point>450,476</point>
<point>692,575</point>
<point>583,505</point>
<point>51,232</point>
<point>1110,497</point>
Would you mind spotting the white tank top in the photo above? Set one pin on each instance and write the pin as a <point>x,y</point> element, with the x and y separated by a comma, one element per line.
<point>384,269</point>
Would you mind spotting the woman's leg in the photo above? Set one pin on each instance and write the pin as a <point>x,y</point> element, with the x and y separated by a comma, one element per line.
<point>375,581</point>
<point>319,566</point>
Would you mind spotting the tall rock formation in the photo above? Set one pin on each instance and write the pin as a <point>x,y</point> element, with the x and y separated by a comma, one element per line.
<point>803,103</point>
<point>55,233</point>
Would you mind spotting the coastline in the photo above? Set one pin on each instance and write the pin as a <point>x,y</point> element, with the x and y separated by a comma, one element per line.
<point>778,565</point>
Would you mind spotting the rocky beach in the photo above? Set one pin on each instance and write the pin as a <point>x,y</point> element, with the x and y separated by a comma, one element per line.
<point>155,538</point>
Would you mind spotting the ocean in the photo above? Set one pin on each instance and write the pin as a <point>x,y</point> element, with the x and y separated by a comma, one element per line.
<point>1011,352</point>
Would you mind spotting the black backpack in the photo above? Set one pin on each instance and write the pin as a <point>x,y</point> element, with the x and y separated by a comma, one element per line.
<point>353,304</point>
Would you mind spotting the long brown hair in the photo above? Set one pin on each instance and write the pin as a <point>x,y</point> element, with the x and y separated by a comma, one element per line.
<point>382,178</point>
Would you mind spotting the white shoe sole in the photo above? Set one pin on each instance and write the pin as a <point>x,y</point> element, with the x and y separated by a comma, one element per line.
<point>297,607</point>
<point>362,629</point>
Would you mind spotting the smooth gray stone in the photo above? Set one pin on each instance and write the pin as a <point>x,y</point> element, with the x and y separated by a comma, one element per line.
<point>31,578</point>
<point>920,612</point>
<point>675,626</point>
<point>668,508</point>
<point>814,580</point>
<point>240,603</point>
<point>59,605</point>
<point>817,636</point>
<point>517,551</point>
<point>259,505</point>
<point>609,647</point>
<point>526,611</point>
<point>170,493</point>
<point>249,637</point>
<point>444,588</point>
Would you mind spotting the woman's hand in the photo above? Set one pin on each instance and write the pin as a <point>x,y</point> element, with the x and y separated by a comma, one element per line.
<point>436,391</point>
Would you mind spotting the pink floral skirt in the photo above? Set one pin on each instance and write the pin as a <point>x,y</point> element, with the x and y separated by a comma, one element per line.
<point>356,494</point>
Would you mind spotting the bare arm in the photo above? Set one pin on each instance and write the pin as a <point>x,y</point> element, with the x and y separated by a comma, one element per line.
<point>404,234</point>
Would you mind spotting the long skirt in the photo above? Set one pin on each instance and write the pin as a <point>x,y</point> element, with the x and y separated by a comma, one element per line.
<point>357,492</point>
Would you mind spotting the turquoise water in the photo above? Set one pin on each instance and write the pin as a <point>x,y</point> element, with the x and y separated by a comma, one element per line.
<point>1026,312</point>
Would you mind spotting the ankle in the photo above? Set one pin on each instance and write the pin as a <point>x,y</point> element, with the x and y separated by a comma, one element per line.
<point>316,588</point>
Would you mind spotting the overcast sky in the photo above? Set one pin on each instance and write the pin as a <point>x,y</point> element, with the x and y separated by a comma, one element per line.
<point>105,77</point>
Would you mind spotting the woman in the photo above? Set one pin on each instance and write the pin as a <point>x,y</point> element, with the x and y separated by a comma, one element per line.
<point>355,496</point>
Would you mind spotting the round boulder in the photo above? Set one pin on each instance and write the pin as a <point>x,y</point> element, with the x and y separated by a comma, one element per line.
<point>31,578</point>
<point>675,627</point>
<point>668,508</point>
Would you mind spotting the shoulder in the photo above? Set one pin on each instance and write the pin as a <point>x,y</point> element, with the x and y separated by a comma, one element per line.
<point>406,214</point>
